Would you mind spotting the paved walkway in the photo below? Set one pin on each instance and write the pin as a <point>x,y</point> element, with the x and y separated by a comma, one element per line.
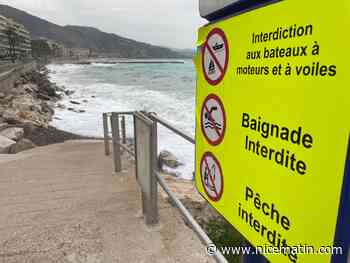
<point>60,203</point>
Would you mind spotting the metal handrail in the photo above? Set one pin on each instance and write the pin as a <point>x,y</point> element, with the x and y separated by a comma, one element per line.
<point>127,149</point>
<point>172,128</point>
<point>195,226</point>
<point>121,113</point>
<point>187,215</point>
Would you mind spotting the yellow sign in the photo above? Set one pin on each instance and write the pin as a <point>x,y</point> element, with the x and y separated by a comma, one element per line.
<point>273,107</point>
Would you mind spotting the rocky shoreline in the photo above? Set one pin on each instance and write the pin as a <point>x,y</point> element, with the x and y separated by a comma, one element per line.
<point>26,111</point>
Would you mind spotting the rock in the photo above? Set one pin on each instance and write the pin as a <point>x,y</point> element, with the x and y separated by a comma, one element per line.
<point>43,96</point>
<point>10,116</point>
<point>26,103</point>
<point>2,95</point>
<point>51,91</point>
<point>30,88</point>
<point>61,106</point>
<point>5,144</point>
<point>3,126</point>
<point>61,89</point>
<point>21,146</point>
<point>75,110</point>
<point>75,102</point>
<point>8,98</point>
<point>86,101</point>
<point>69,92</point>
<point>168,159</point>
<point>47,109</point>
<point>93,96</point>
<point>14,133</point>
<point>17,83</point>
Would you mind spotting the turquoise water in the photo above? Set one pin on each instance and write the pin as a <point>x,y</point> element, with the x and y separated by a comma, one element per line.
<point>167,89</point>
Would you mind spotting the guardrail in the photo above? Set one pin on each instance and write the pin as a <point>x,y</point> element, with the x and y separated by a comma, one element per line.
<point>145,154</point>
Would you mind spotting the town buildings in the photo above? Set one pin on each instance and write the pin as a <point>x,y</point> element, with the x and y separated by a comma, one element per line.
<point>15,40</point>
<point>16,44</point>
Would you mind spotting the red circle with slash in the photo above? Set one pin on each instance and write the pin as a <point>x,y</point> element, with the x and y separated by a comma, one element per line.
<point>215,56</point>
<point>212,177</point>
<point>213,120</point>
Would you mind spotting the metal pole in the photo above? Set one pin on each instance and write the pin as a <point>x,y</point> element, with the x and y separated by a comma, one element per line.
<point>105,134</point>
<point>116,141</point>
<point>123,129</point>
<point>152,216</point>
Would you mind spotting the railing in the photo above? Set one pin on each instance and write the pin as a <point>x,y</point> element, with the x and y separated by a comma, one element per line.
<point>145,154</point>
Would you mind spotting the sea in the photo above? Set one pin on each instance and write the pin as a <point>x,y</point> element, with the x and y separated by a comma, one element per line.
<point>166,89</point>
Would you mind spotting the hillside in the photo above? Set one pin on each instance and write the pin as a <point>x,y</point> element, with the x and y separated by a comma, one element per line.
<point>88,37</point>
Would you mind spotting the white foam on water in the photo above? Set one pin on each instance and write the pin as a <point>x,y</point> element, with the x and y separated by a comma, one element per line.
<point>110,95</point>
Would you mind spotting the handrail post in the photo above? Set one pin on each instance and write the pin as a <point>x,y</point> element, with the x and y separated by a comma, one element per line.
<point>116,141</point>
<point>106,134</point>
<point>153,214</point>
<point>123,129</point>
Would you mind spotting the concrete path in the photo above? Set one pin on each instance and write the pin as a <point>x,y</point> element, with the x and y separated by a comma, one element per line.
<point>61,203</point>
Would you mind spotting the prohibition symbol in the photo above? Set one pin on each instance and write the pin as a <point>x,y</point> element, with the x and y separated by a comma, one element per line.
<point>215,55</point>
<point>213,120</point>
<point>212,178</point>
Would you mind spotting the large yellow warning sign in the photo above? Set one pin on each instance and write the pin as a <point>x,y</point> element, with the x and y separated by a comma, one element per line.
<point>273,107</point>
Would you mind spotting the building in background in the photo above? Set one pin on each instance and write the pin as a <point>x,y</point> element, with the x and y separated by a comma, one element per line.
<point>15,40</point>
<point>79,53</point>
<point>4,42</point>
<point>47,48</point>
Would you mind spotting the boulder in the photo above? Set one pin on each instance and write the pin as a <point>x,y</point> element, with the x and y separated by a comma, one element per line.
<point>51,90</point>
<point>61,106</point>
<point>10,116</point>
<point>8,98</point>
<point>3,126</point>
<point>2,95</point>
<point>5,144</point>
<point>30,88</point>
<point>26,103</point>
<point>75,102</point>
<point>13,133</point>
<point>21,146</point>
<point>47,109</point>
<point>43,96</point>
<point>69,92</point>
<point>76,110</point>
<point>168,159</point>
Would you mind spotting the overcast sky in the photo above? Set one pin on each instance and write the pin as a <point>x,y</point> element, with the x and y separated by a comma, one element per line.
<point>172,23</point>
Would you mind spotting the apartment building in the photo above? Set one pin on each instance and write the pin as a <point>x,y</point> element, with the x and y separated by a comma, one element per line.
<point>20,39</point>
<point>4,43</point>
